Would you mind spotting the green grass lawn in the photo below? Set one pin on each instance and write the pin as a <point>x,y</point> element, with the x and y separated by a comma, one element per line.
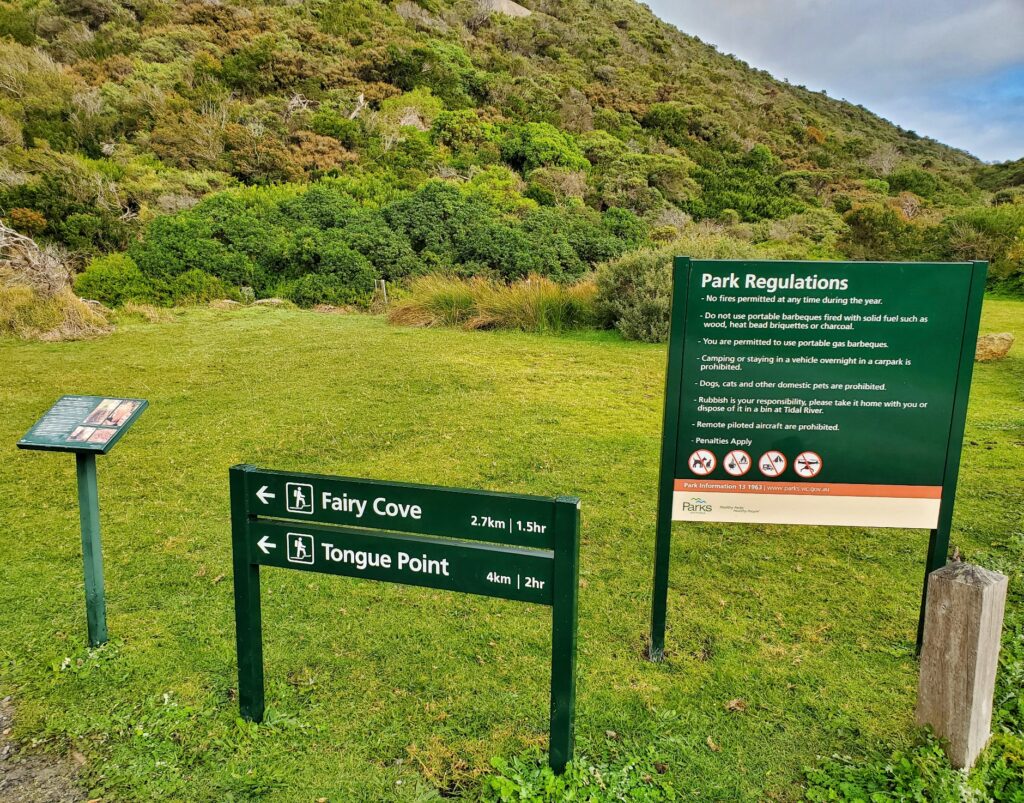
<point>381,692</point>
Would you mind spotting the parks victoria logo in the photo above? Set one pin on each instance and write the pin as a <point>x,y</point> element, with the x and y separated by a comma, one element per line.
<point>696,505</point>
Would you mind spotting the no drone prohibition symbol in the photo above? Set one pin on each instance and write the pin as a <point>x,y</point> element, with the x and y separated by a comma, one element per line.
<point>807,464</point>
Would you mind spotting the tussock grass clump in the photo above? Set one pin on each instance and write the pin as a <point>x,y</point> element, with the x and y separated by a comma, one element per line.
<point>31,315</point>
<point>436,300</point>
<point>132,311</point>
<point>535,304</point>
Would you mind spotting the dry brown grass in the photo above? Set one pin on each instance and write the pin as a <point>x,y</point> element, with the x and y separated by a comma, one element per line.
<point>535,304</point>
<point>132,310</point>
<point>30,315</point>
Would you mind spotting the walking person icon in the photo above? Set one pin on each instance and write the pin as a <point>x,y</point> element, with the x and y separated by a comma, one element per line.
<point>299,498</point>
<point>300,548</point>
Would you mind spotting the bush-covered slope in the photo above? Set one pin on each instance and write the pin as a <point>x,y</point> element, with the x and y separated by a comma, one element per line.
<point>116,118</point>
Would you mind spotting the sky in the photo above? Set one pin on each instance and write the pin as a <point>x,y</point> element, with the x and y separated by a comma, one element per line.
<point>952,70</point>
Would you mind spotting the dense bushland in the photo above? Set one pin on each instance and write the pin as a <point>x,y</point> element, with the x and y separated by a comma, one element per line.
<point>465,141</point>
<point>322,244</point>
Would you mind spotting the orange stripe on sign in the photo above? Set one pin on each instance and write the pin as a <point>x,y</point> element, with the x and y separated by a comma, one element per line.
<point>812,489</point>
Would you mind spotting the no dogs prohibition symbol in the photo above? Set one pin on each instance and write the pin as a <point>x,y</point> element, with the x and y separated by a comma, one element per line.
<point>702,462</point>
<point>772,463</point>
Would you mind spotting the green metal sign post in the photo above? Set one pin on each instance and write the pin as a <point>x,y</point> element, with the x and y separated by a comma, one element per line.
<point>418,535</point>
<point>815,393</point>
<point>86,426</point>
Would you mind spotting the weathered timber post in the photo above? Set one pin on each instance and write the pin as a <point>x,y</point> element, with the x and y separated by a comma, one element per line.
<point>962,628</point>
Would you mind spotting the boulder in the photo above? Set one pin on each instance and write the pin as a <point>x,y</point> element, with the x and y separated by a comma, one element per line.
<point>993,347</point>
<point>504,7</point>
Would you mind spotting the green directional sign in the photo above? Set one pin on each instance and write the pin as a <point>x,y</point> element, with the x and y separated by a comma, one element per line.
<point>815,393</point>
<point>514,547</point>
<point>87,426</point>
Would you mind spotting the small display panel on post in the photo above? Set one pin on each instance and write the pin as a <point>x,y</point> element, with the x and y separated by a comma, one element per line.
<point>417,535</point>
<point>83,424</point>
<point>87,426</point>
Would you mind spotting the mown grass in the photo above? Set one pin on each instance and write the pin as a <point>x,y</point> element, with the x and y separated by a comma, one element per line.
<point>382,692</point>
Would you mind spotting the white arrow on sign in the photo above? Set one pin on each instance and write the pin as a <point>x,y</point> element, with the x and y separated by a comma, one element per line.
<point>264,495</point>
<point>265,545</point>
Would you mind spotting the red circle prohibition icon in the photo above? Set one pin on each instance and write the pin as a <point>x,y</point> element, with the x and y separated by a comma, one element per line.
<point>702,462</point>
<point>737,463</point>
<point>807,464</point>
<point>772,463</point>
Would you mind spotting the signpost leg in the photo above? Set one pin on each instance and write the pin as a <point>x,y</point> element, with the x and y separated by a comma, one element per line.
<point>938,549</point>
<point>248,621</point>
<point>92,554</point>
<point>659,606</point>
<point>938,543</point>
<point>563,632</point>
<point>667,475</point>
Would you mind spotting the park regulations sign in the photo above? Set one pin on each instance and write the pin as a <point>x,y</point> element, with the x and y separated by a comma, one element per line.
<point>815,393</point>
<point>819,393</point>
<point>515,547</point>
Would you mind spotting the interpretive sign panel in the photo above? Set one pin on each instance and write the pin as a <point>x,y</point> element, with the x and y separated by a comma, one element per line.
<point>829,393</point>
<point>87,426</point>
<point>83,424</point>
<point>390,531</point>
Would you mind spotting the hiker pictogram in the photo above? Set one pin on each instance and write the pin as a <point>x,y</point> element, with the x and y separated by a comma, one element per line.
<point>299,498</point>
<point>772,463</point>
<point>300,548</point>
<point>702,462</point>
<point>737,463</point>
<point>807,464</point>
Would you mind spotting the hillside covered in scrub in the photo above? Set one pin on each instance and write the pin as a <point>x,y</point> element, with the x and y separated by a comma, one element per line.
<point>183,151</point>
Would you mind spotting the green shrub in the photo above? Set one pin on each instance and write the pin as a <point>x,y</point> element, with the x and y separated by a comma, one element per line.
<point>919,773</point>
<point>634,777</point>
<point>316,288</point>
<point>176,244</point>
<point>634,294</point>
<point>532,145</point>
<point>329,122</point>
<point>746,183</point>
<point>879,232</point>
<point>198,287</point>
<point>444,67</point>
<point>915,180</point>
<point>677,123</point>
<point>115,279</point>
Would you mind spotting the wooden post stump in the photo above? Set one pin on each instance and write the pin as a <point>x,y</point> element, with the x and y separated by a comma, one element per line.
<point>962,629</point>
